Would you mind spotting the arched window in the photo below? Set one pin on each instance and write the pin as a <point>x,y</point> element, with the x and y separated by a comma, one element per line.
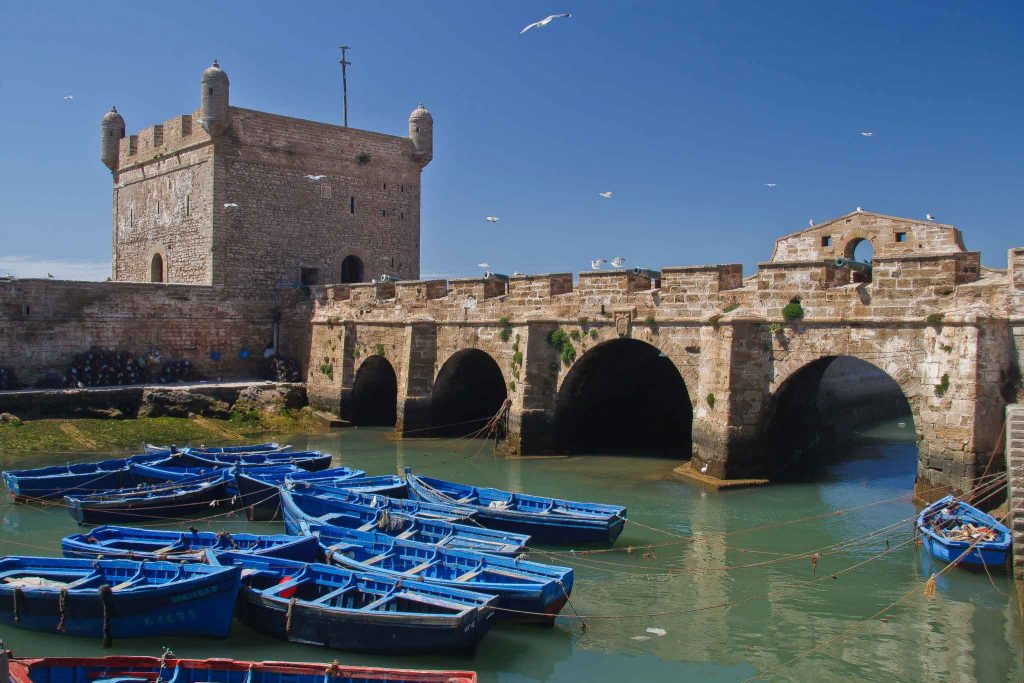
<point>156,269</point>
<point>352,269</point>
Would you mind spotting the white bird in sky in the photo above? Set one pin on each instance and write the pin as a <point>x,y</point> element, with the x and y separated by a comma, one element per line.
<point>606,195</point>
<point>597,263</point>
<point>49,275</point>
<point>493,219</point>
<point>316,177</point>
<point>770,184</point>
<point>866,133</point>
<point>618,262</point>
<point>545,21</point>
<point>929,216</point>
<point>231,205</point>
<point>68,98</point>
<point>483,265</point>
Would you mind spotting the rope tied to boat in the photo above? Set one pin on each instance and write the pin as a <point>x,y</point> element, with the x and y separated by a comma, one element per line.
<point>19,599</point>
<point>568,601</point>
<point>62,609</point>
<point>333,669</point>
<point>288,617</point>
<point>107,600</point>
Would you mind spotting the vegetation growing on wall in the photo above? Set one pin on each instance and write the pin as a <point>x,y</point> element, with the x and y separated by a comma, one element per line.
<point>793,310</point>
<point>934,318</point>
<point>730,308</point>
<point>327,368</point>
<point>506,329</point>
<point>563,344</point>
<point>943,386</point>
<point>379,349</point>
<point>710,398</point>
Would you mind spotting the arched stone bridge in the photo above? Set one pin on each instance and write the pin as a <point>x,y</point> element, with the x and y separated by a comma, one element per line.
<point>698,359</point>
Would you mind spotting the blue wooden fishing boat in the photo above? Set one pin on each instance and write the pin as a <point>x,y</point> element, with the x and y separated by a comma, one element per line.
<point>82,597</point>
<point>949,528</point>
<point>303,511</point>
<point>162,473</point>
<point>247,448</point>
<point>547,520</point>
<point>153,502</point>
<point>333,607</point>
<point>416,508</point>
<point>135,669</point>
<point>307,460</point>
<point>529,591</point>
<point>259,487</point>
<point>390,485</point>
<point>60,480</point>
<point>182,546</point>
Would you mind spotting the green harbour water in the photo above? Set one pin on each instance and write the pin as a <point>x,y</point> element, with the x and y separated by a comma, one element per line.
<point>731,603</point>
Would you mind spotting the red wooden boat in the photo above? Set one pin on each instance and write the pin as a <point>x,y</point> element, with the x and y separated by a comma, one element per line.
<point>132,669</point>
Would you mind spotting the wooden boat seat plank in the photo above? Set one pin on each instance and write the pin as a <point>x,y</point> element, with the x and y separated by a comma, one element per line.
<point>421,567</point>
<point>468,575</point>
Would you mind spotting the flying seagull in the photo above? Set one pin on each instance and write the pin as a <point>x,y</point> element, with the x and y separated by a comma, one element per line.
<point>68,98</point>
<point>597,263</point>
<point>545,21</point>
<point>618,262</point>
<point>606,195</point>
<point>316,177</point>
<point>493,219</point>
<point>866,133</point>
<point>929,216</point>
<point>483,265</point>
<point>231,205</point>
<point>770,184</point>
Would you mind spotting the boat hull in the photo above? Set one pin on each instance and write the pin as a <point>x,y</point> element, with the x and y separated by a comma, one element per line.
<point>170,507</point>
<point>936,520</point>
<point>950,552</point>
<point>148,544</point>
<point>373,633</point>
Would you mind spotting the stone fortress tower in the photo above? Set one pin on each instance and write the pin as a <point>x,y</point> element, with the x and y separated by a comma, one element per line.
<point>252,202</point>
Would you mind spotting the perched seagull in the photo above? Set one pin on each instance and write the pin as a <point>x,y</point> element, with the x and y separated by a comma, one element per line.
<point>704,468</point>
<point>231,205</point>
<point>49,275</point>
<point>770,184</point>
<point>859,209</point>
<point>483,265</point>
<point>811,222</point>
<point>517,274</point>
<point>493,219</point>
<point>68,98</point>
<point>597,263</point>
<point>316,177</point>
<point>606,195</point>
<point>929,216</point>
<point>545,21</point>
<point>866,133</point>
<point>618,262</point>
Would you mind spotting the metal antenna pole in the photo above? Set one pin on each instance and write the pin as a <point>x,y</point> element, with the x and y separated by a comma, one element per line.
<point>344,82</point>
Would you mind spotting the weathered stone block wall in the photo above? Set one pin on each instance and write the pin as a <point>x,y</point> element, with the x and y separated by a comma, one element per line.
<point>1015,498</point>
<point>44,323</point>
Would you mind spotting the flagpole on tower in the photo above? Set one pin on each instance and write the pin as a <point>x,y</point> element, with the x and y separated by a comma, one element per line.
<point>344,83</point>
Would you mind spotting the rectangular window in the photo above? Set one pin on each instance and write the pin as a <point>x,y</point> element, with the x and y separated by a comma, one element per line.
<point>383,213</point>
<point>188,205</point>
<point>158,208</point>
<point>826,241</point>
<point>901,237</point>
<point>351,204</point>
<point>385,185</point>
<point>401,215</point>
<point>325,191</point>
<point>310,276</point>
<point>403,188</point>
<point>131,218</point>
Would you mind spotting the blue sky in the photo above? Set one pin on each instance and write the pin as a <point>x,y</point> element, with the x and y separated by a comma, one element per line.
<point>683,109</point>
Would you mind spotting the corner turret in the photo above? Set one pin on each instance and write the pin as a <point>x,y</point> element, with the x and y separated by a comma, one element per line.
<point>111,132</point>
<point>421,132</point>
<point>214,98</point>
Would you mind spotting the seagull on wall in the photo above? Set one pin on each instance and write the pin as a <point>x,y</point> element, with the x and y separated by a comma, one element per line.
<point>811,222</point>
<point>770,184</point>
<point>704,468</point>
<point>492,219</point>
<point>859,210</point>
<point>49,275</point>
<point>929,216</point>
<point>618,262</point>
<point>316,177</point>
<point>866,133</point>
<point>597,263</point>
<point>231,205</point>
<point>545,21</point>
<point>606,195</point>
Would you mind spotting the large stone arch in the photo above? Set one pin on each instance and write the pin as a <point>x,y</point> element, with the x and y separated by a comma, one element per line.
<point>469,389</point>
<point>623,395</point>
<point>374,398</point>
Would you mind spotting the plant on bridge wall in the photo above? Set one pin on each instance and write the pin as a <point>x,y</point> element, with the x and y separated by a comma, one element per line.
<point>379,349</point>
<point>793,311</point>
<point>363,158</point>
<point>563,344</point>
<point>943,386</point>
<point>506,329</point>
<point>327,368</point>
<point>710,398</point>
<point>730,308</point>
<point>512,386</point>
<point>593,334</point>
<point>575,335</point>
<point>934,318</point>
<point>776,328</point>
<point>713,320</point>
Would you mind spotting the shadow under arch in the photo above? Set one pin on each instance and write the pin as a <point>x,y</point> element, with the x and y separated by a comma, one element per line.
<point>623,396</point>
<point>468,391</point>
<point>825,402</point>
<point>375,393</point>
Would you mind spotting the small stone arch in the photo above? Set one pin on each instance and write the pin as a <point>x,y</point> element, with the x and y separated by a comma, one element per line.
<point>623,396</point>
<point>469,389</point>
<point>352,269</point>
<point>157,271</point>
<point>374,393</point>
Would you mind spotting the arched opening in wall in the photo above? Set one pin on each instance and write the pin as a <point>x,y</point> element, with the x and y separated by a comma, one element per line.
<point>352,269</point>
<point>468,391</point>
<point>623,396</point>
<point>156,269</point>
<point>375,393</point>
<point>840,416</point>
<point>861,251</point>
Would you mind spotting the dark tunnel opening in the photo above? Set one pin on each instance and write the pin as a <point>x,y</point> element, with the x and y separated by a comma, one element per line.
<point>375,393</point>
<point>468,391</point>
<point>827,405</point>
<point>624,397</point>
